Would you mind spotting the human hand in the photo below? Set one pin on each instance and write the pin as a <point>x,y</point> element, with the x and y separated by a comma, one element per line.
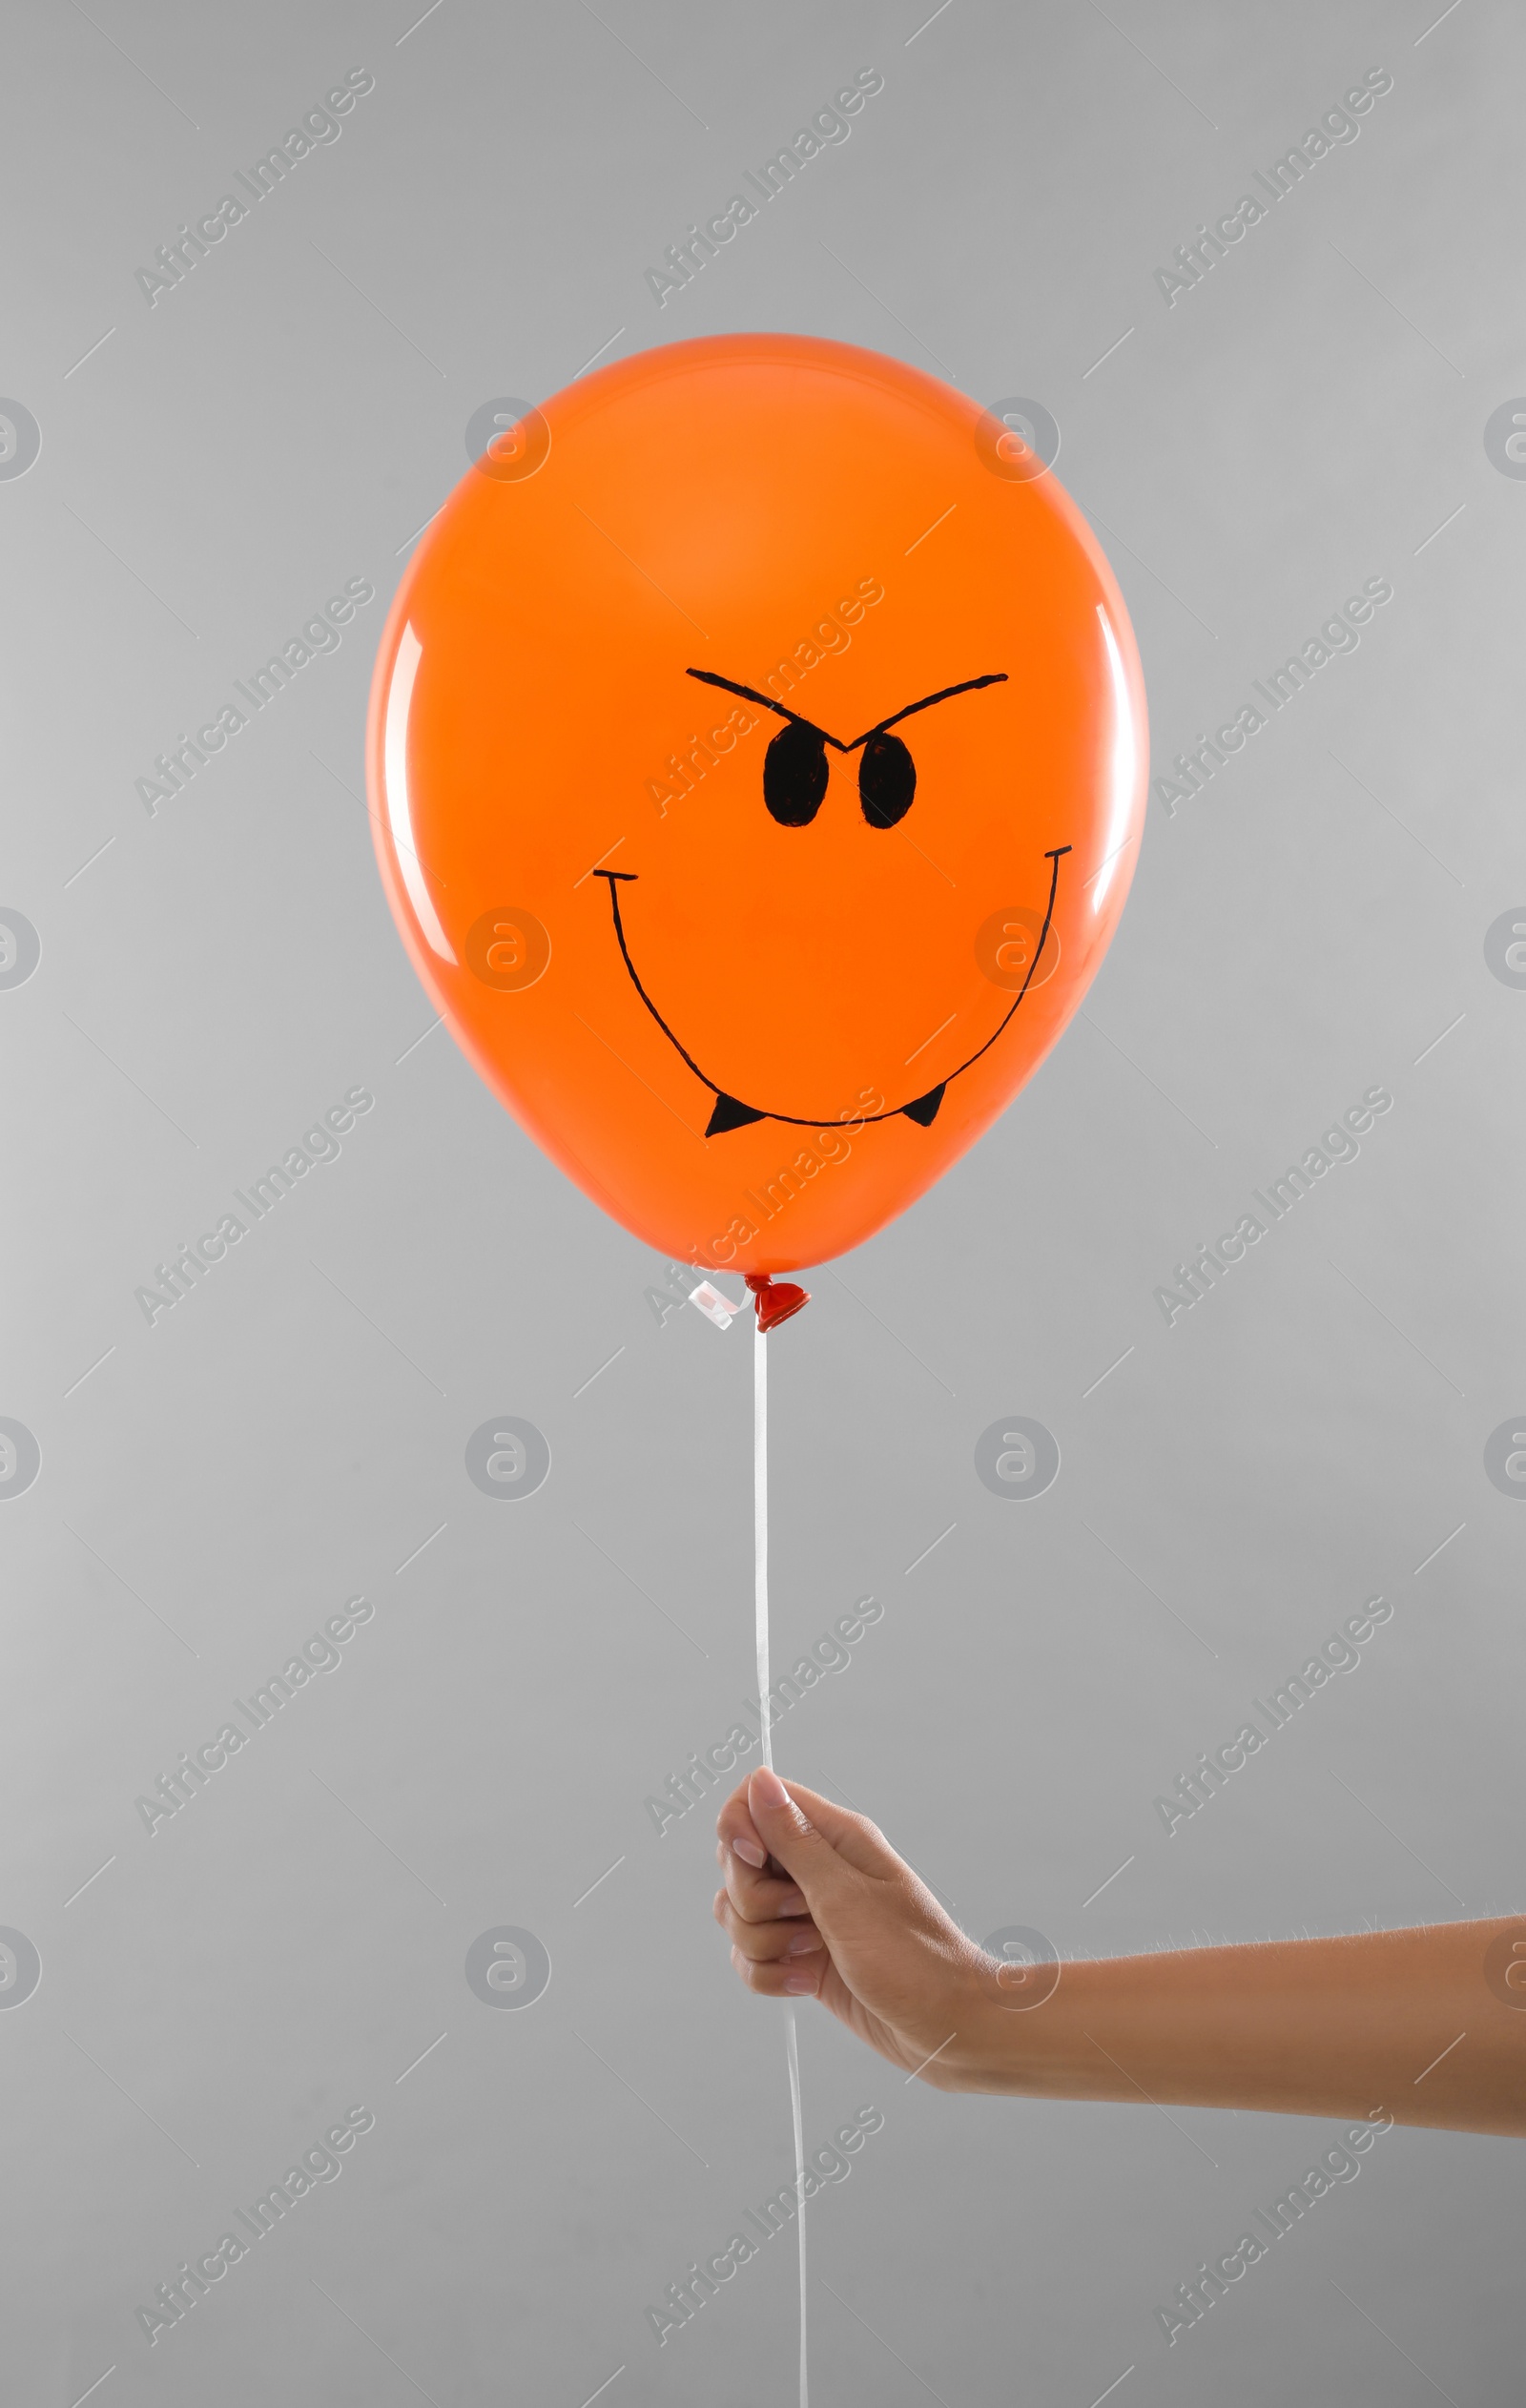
<point>818,1903</point>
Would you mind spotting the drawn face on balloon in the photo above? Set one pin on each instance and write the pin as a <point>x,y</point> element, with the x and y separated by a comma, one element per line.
<point>758,766</point>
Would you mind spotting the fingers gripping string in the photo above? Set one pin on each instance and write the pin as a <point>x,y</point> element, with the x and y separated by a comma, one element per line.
<point>760,1594</point>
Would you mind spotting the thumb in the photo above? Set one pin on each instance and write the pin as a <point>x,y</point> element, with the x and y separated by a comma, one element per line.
<point>789,1835</point>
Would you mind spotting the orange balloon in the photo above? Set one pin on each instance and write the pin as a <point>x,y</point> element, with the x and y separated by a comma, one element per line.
<point>757,759</point>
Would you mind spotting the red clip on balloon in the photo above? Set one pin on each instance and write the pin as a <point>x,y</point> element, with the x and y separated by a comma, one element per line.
<point>775,1304</point>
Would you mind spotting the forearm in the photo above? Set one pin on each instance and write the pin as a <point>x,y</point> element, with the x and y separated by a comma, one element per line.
<point>1404,2022</point>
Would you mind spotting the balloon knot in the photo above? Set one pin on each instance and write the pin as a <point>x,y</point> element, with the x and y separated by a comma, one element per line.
<point>775,1304</point>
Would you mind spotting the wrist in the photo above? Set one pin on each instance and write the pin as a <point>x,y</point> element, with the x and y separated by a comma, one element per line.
<point>1016,2028</point>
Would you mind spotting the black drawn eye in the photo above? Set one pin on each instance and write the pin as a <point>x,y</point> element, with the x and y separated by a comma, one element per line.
<point>795,776</point>
<point>887,782</point>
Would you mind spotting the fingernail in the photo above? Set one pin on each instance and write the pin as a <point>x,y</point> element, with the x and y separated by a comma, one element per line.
<point>800,1985</point>
<point>792,1904</point>
<point>767,1789</point>
<point>750,1852</point>
<point>803,1944</point>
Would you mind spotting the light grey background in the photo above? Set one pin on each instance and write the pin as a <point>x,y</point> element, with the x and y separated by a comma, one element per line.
<point>212,467</point>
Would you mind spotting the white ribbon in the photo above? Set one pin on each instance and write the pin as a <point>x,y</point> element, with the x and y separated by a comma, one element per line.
<point>760,1594</point>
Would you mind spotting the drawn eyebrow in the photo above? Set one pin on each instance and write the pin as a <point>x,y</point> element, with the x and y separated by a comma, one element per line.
<point>750,693</point>
<point>993,677</point>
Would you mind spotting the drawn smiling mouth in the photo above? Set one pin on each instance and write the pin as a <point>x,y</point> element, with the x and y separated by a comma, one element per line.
<point>731,1112</point>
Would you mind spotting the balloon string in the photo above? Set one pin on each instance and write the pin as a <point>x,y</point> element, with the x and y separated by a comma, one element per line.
<point>760,1529</point>
<point>760,1593</point>
<point>792,2050</point>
